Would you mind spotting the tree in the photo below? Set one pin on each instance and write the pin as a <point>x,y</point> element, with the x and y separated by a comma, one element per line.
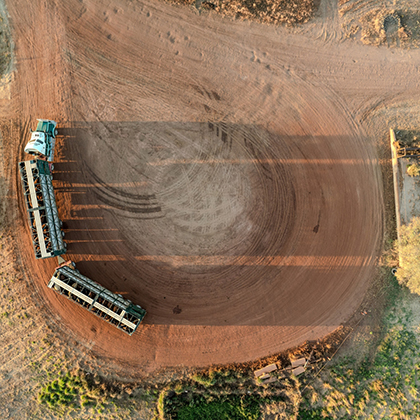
<point>409,250</point>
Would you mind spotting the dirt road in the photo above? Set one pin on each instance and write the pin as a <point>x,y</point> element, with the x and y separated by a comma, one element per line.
<point>216,172</point>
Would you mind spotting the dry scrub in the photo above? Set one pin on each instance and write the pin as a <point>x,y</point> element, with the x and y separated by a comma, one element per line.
<point>391,23</point>
<point>266,11</point>
<point>35,362</point>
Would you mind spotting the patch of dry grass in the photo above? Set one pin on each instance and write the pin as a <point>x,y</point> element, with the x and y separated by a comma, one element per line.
<point>34,362</point>
<point>395,23</point>
<point>377,386</point>
<point>289,12</point>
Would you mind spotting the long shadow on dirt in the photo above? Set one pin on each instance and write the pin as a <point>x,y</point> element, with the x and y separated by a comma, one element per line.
<point>217,224</point>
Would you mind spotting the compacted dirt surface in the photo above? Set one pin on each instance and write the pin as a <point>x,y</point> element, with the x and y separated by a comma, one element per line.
<point>215,172</point>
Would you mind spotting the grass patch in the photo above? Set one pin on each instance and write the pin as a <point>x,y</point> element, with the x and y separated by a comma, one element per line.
<point>77,391</point>
<point>205,380</point>
<point>69,390</point>
<point>227,395</point>
<point>379,385</point>
<point>217,377</point>
<point>227,409</point>
<point>209,406</point>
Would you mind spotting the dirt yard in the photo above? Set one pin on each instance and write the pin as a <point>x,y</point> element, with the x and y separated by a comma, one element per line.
<point>222,174</point>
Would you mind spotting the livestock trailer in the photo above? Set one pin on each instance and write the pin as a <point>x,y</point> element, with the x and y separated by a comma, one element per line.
<point>107,305</point>
<point>44,223</point>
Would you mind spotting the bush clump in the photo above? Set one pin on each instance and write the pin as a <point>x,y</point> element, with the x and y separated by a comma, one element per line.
<point>76,390</point>
<point>413,170</point>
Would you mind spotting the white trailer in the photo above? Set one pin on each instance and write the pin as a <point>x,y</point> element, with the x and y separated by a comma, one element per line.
<point>109,306</point>
<point>42,142</point>
<point>44,223</point>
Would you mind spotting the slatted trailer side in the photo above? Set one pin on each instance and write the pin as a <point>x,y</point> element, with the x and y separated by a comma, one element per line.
<point>109,306</point>
<point>44,223</point>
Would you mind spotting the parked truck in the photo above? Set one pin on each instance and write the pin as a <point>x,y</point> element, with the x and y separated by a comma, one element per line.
<point>42,142</point>
<point>44,223</point>
<point>109,306</point>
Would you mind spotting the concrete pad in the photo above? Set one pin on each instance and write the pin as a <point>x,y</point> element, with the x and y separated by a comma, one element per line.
<point>269,368</point>
<point>269,381</point>
<point>298,370</point>
<point>298,362</point>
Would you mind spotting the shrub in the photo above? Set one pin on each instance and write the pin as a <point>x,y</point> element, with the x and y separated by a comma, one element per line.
<point>413,169</point>
<point>220,410</point>
<point>72,390</point>
<point>206,381</point>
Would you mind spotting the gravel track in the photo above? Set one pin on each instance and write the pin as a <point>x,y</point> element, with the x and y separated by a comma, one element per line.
<point>214,172</point>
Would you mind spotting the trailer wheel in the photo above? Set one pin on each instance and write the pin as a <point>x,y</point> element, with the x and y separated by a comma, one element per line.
<point>73,264</point>
<point>55,132</point>
<point>63,234</point>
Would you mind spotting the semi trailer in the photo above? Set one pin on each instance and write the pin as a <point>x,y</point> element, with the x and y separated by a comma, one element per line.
<point>111,307</point>
<point>47,237</point>
<point>44,223</point>
<point>42,142</point>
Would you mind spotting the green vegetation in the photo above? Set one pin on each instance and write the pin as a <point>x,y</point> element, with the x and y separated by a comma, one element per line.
<point>381,385</point>
<point>409,251</point>
<point>215,406</point>
<point>82,395</point>
<point>374,388</point>
<point>205,380</point>
<point>380,382</point>
<point>218,377</point>
<point>231,394</point>
<point>229,408</point>
<point>70,390</point>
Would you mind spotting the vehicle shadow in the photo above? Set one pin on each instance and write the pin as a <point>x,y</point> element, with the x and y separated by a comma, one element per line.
<point>218,224</point>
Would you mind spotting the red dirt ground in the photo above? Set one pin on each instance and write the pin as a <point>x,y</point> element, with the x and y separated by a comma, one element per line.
<point>214,172</point>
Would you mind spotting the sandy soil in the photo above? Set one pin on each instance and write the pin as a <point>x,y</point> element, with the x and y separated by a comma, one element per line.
<point>394,23</point>
<point>217,173</point>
